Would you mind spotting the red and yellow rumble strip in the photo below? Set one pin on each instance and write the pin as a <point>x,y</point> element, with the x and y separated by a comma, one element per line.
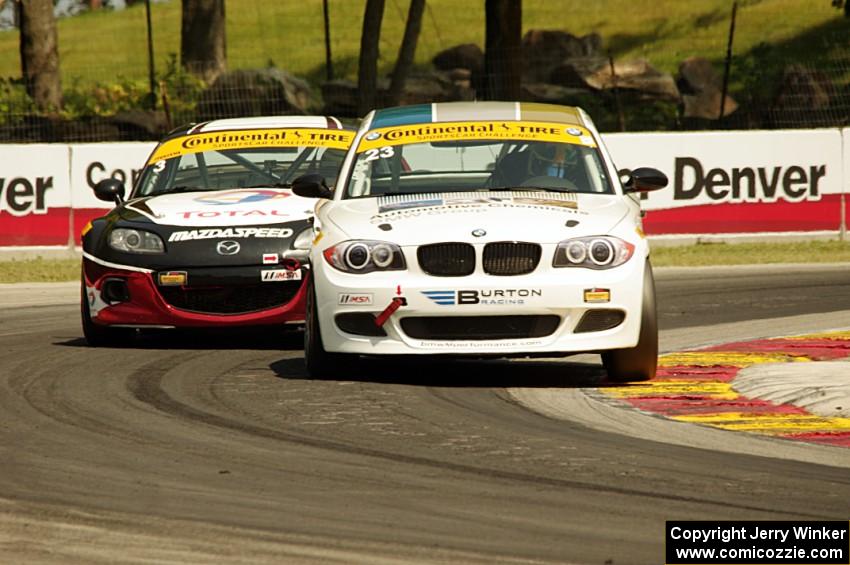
<point>696,387</point>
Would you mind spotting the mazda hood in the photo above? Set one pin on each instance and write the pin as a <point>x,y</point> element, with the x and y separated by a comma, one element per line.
<point>238,207</point>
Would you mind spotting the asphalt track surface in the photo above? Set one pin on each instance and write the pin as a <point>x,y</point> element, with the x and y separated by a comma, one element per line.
<point>218,448</point>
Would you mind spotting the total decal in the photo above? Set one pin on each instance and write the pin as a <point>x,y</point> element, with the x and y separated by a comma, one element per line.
<point>228,207</point>
<point>483,297</point>
<point>749,182</point>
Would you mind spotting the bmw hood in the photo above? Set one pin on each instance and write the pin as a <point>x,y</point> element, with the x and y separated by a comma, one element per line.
<point>238,207</point>
<point>544,217</point>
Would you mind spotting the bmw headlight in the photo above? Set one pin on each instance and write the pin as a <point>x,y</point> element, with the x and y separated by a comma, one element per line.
<point>135,241</point>
<point>363,256</point>
<point>600,252</point>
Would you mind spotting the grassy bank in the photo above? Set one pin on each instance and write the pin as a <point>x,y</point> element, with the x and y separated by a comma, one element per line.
<point>707,254</point>
<point>103,46</point>
<point>700,255</point>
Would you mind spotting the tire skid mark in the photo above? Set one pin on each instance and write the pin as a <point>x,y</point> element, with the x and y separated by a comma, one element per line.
<point>696,387</point>
<point>146,386</point>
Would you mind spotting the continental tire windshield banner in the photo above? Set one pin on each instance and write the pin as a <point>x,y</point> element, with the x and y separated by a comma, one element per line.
<point>470,131</point>
<point>738,182</point>
<point>252,139</point>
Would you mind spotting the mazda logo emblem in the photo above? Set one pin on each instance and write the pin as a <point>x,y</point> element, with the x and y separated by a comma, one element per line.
<point>479,233</point>
<point>227,247</point>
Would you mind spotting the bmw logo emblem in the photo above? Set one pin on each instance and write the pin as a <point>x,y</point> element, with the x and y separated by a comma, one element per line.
<point>373,135</point>
<point>479,233</point>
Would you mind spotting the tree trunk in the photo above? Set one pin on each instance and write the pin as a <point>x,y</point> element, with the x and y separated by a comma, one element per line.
<point>202,38</point>
<point>406,52</point>
<point>367,71</point>
<point>40,53</point>
<point>503,50</point>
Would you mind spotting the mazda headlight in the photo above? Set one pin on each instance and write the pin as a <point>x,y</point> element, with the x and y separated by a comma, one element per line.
<point>135,241</point>
<point>303,240</point>
<point>599,252</point>
<point>363,256</point>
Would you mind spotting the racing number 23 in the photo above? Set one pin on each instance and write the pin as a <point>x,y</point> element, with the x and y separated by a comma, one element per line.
<point>379,153</point>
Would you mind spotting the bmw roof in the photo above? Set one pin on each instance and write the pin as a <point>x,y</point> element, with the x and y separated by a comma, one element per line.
<point>475,111</point>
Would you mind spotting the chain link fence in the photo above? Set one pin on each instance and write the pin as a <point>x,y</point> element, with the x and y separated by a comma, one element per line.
<point>635,65</point>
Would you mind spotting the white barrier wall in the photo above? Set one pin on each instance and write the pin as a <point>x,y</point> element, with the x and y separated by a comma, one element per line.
<point>93,162</point>
<point>35,195</point>
<point>720,183</point>
<point>739,182</point>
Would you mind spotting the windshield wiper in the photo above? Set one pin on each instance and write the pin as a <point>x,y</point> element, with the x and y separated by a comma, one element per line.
<point>270,185</point>
<point>526,189</point>
<point>182,188</point>
<point>407,193</point>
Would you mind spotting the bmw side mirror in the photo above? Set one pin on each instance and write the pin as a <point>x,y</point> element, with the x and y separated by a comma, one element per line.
<point>312,185</point>
<point>110,190</point>
<point>645,179</point>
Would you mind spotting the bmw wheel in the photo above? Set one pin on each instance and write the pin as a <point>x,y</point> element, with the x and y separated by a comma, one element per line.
<point>320,363</point>
<point>638,363</point>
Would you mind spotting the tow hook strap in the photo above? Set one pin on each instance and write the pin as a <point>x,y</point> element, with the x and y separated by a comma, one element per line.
<point>396,303</point>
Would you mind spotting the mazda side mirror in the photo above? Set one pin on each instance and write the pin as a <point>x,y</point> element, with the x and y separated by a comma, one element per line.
<point>645,179</point>
<point>110,190</point>
<point>312,185</point>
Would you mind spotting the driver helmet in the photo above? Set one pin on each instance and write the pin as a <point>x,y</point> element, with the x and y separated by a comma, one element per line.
<point>552,159</point>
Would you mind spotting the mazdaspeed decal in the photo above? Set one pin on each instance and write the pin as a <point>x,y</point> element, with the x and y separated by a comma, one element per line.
<point>250,138</point>
<point>459,131</point>
<point>240,196</point>
<point>214,233</point>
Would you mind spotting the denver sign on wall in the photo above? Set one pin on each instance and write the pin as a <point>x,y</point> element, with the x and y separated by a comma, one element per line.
<point>720,183</point>
<point>46,190</point>
<point>739,182</point>
<point>35,195</point>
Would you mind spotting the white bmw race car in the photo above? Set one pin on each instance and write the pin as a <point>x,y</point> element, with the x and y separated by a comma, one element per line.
<point>480,229</point>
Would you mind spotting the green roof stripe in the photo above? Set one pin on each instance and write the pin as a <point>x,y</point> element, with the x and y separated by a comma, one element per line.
<point>402,116</point>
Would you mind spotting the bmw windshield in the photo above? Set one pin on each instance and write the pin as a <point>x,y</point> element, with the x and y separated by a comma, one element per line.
<point>455,157</point>
<point>242,159</point>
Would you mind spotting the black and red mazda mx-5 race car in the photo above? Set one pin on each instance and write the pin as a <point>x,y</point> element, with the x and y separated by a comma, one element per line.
<point>210,235</point>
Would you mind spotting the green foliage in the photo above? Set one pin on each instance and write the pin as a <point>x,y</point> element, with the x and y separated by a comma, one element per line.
<point>14,102</point>
<point>103,99</point>
<point>83,99</point>
<point>180,89</point>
